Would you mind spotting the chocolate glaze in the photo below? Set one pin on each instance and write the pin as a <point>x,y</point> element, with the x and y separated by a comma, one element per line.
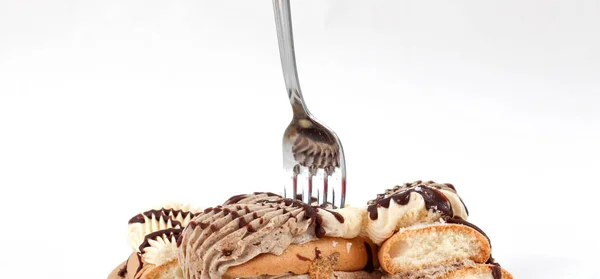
<point>319,230</point>
<point>370,267</point>
<point>317,253</point>
<point>496,271</point>
<point>137,219</point>
<point>434,199</point>
<point>163,212</point>
<point>227,252</point>
<point>140,264</point>
<point>169,233</point>
<point>250,228</point>
<point>302,258</point>
<point>242,222</point>
<point>337,215</point>
<point>179,240</point>
<point>123,271</point>
<point>310,213</point>
<point>236,199</point>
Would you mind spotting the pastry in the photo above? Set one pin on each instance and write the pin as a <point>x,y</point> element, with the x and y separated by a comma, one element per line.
<point>416,230</point>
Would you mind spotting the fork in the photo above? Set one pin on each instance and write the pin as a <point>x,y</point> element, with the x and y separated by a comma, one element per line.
<point>312,153</point>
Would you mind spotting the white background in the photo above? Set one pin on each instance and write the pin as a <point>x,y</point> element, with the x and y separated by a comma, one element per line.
<point>110,107</point>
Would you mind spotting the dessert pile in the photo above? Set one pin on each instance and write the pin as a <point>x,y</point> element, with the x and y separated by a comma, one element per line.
<point>415,230</point>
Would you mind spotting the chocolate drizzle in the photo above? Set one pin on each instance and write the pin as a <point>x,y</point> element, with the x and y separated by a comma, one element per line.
<point>250,228</point>
<point>248,221</point>
<point>317,253</point>
<point>434,199</point>
<point>163,213</point>
<point>274,200</point>
<point>168,233</point>
<point>235,199</point>
<point>496,271</point>
<point>337,215</point>
<point>179,240</point>
<point>310,213</point>
<point>123,271</point>
<point>140,264</point>
<point>302,258</point>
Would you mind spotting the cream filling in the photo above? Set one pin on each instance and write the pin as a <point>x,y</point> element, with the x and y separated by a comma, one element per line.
<point>350,228</point>
<point>161,250</point>
<point>137,231</point>
<point>391,218</point>
<point>398,216</point>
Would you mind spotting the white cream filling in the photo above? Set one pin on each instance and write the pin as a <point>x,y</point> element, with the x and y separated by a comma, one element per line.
<point>397,216</point>
<point>160,251</point>
<point>137,231</point>
<point>350,228</point>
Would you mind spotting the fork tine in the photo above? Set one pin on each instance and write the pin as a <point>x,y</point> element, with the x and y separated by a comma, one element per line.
<point>309,190</point>
<point>295,182</point>
<point>325,187</point>
<point>333,197</point>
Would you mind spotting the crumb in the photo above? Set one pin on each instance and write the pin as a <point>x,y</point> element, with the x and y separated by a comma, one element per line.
<point>322,268</point>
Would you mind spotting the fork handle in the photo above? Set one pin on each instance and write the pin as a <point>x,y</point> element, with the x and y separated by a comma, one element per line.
<point>283,22</point>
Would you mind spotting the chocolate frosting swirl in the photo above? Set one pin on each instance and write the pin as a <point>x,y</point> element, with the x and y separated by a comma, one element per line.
<point>244,227</point>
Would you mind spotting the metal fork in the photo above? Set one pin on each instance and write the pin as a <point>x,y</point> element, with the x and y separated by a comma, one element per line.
<point>312,153</point>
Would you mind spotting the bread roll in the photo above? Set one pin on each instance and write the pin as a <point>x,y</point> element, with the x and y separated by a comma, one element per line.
<point>432,245</point>
<point>354,254</point>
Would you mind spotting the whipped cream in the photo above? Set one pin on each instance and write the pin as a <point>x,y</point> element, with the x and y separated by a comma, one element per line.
<point>170,215</point>
<point>160,247</point>
<point>409,204</point>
